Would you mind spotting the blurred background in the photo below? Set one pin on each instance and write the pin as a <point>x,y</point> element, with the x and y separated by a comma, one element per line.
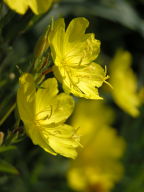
<point>112,160</point>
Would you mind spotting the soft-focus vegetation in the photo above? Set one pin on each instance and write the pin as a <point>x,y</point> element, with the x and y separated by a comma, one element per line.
<point>107,136</point>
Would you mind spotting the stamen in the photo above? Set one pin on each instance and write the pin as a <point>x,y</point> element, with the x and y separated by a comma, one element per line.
<point>108,84</point>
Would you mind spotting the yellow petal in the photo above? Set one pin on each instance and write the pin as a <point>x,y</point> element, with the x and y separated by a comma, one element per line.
<point>51,108</point>
<point>64,143</point>
<point>37,138</point>
<point>26,97</point>
<point>61,139</point>
<point>80,48</point>
<point>76,30</point>
<point>56,37</point>
<point>37,6</point>
<point>124,82</point>
<point>98,165</point>
<point>81,53</point>
<point>91,49</point>
<point>83,82</point>
<point>63,147</point>
<point>20,6</point>
<point>89,116</point>
<point>40,6</point>
<point>62,108</point>
<point>47,91</point>
<point>77,179</point>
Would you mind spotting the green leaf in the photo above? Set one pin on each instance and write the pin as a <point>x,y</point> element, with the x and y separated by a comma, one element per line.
<point>7,168</point>
<point>7,148</point>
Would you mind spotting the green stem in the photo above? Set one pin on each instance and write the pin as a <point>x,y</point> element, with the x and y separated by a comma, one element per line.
<point>7,114</point>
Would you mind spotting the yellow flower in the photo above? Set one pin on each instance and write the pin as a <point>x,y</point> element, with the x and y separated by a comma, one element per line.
<point>98,166</point>
<point>89,116</point>
<point>74,53</point>
<point>124,82</point>
<point>43,113</point>
<point>37,6</point>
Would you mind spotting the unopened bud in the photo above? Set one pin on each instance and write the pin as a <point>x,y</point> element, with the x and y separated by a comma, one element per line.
<point>42,44</point>
<point>1,137</point>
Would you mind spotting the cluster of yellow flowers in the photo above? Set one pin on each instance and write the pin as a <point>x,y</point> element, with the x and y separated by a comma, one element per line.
<point>98,165</point>
<point>43,111</point>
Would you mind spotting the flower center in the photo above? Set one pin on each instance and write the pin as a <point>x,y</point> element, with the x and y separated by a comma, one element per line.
<point>43,117</point>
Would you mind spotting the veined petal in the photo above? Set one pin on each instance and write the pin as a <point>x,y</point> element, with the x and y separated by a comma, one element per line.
<point>80,48</point>
<point>60,130</point>
<point>63,146</point>
<point>81,53</point>
<point>85,81</point>
<point>93,73</point>
<point>63,141</point>
<point>92,49</point>
<point>26,97</point>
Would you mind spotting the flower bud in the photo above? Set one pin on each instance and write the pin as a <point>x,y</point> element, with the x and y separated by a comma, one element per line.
<point>1,137</point>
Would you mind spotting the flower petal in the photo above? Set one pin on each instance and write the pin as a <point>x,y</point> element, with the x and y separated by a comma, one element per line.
<point>47,91</point>
<point>20,6</point>
<point>63,141</point>
<point>40,6</point>
<point>76,30</point>
<point>124,82</point>
<point>52,108</point>
<point>62,107</point>
<point>85,81</point>
<point>56,37</point>
<point>37,6</point>
<point>37,138</point>
<point>26,97</point>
